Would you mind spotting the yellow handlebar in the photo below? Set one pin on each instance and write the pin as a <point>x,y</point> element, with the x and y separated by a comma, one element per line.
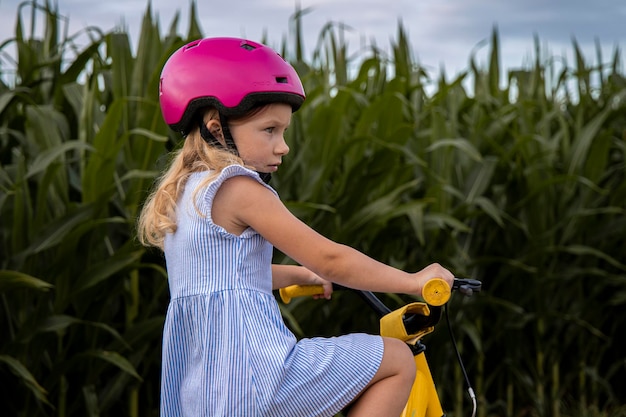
<point>287,293</point>
<point>436,292</point>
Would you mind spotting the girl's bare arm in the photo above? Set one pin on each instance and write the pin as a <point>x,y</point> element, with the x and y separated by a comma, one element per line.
<point>242,202</point>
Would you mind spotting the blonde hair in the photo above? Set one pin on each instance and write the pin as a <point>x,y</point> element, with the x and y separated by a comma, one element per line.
<point>158,215</point>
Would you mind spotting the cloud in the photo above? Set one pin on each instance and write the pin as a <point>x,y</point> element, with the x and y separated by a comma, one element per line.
<point>442,32</point>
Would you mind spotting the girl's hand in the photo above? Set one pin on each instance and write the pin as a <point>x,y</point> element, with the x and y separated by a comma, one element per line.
<point>287,275</point>
<point>317,280</point>
<point>433,271</point>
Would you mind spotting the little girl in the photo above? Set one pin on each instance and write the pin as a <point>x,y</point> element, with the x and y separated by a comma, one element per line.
<point>226,349</point>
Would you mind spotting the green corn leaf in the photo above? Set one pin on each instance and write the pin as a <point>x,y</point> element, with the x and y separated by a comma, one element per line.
<point>12,280</point>
<point>26,377</point>
<point>61,322</point>
<point>106,269</point>
<point>463,145</point>
<point>56,231</point>
<point>115,359</point>
<point>44,159</point>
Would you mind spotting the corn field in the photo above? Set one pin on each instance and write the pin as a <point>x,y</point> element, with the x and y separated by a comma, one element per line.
<point>516,178</point>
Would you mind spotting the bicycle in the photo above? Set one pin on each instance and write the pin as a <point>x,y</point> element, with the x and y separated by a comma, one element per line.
<point>410,324</point>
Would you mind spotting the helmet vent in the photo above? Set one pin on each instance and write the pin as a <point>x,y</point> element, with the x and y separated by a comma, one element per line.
<point>248,47</point>
<point>192,45</point>
<point>281,80</point>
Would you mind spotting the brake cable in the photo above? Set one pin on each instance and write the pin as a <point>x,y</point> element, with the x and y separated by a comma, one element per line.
<point>470,390</point>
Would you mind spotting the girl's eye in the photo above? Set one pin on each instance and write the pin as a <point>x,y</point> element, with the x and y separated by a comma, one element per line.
<point>269,129</point>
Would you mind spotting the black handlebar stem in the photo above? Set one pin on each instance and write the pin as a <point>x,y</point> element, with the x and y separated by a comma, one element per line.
<point>416,322</point>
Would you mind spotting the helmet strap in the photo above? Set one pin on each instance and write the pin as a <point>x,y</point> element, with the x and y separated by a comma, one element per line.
<point>228,137</point>
<point>209,138</point>
<point>265,176</point>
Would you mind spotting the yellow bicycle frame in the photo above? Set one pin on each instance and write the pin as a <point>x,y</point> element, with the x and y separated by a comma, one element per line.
<point>423,400</point>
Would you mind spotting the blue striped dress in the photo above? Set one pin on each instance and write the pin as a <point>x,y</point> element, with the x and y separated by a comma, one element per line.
<point>226,349</point>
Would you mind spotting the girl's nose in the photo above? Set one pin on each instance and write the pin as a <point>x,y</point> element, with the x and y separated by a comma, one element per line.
<point>282,148</point>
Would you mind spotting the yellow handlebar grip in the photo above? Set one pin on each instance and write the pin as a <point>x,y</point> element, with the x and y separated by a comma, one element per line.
<point>436,292</point>
<point>287,293</point>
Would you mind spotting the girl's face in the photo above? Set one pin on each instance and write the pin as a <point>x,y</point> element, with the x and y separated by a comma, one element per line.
<point>260,138</point>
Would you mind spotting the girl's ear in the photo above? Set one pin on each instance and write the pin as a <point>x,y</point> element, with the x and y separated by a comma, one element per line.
<point>215,128</point>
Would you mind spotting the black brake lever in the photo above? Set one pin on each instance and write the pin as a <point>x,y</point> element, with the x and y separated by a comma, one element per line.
<point>466,286</point>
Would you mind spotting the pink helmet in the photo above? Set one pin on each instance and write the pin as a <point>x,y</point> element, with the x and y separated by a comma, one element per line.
<point>230,74</point>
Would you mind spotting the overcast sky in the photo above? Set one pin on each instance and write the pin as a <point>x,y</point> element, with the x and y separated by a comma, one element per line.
<point>441,32</point>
